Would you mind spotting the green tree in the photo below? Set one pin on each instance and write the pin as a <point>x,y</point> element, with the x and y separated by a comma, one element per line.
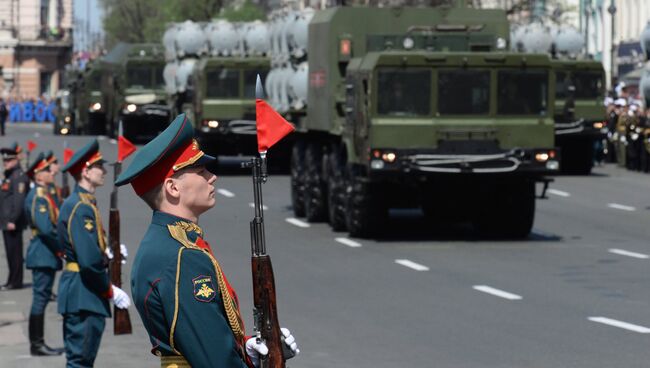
<point>246,12</point>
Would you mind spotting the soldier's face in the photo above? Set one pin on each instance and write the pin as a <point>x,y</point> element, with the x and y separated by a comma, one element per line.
<point>54,168</point>
<point>196,187</point>
<point>45,176</point>
<point>9,164</point>
<point>96,174</point>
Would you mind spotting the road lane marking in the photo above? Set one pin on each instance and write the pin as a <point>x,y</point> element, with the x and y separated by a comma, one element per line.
<point>620,324</point>
<point>252,205</point>
<point>558,193</point>
<point>497,292</point>
<point>8,302</point>
<point>349,242</point>
<point>624,252</point>
<point>621,207</point>
<point>295,221</point>
<point>226,193</point>
<point>411,265</point>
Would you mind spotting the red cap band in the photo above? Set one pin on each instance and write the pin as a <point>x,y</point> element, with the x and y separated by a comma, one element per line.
<point>76,169</point>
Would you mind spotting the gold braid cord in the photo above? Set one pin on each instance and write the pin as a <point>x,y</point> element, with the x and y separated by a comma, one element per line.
<point>178,232</point>
<point>101,235</point>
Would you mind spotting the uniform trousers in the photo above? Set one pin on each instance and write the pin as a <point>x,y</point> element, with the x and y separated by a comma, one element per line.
<point>43,279</point>
<point>13,240</point>
<point>82,333</point>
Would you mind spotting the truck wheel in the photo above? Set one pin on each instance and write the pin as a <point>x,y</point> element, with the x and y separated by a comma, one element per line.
<point>336,191</point>
<point>365,213</point>
<point>297,179</point>
<point>315,201</point>
<point>510,212</point>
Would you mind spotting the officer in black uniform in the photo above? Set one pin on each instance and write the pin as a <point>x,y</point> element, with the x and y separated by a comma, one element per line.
<point>13,191</point>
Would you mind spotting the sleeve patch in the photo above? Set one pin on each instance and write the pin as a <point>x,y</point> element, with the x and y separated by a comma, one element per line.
<point>89,224</point>
<point>42,208</point>
<point>203,288</point>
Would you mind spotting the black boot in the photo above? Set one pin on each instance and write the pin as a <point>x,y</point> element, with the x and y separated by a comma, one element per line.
<point>36,341</point>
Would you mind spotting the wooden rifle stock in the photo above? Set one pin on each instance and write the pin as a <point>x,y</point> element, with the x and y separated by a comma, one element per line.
<point>266,314</point>
<point>121,319</point>
<point>267,327</point>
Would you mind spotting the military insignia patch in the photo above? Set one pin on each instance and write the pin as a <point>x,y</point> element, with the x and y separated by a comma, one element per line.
<point>89,224</point>
<point>21,187</point>
<point>42,208</point>
<point>203,288</point>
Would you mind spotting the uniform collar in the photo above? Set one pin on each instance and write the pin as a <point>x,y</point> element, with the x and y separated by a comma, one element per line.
<point>164,219</point>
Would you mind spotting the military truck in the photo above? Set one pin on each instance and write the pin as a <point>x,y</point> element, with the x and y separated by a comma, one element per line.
<point>422,107</point>
<point>66,102</point>
<point>90,101</point>
<point>223,103</point>
<point>579,112</point>
<point>135,91</point>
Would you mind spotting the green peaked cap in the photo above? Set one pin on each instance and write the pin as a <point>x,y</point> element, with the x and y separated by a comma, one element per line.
<point>40,157</point>
<point>82,154</point>
<point>177,135</point>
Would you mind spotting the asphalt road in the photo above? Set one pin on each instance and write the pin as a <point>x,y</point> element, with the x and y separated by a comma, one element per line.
<point>575,294</point>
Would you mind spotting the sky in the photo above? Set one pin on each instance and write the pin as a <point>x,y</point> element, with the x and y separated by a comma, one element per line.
<point>87,15</point>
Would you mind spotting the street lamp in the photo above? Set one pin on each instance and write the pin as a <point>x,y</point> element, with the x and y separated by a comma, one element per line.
<point>612,11</point>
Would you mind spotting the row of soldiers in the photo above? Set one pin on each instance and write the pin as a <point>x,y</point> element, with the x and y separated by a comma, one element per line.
<point>629,134</point>
<point>184,299</point>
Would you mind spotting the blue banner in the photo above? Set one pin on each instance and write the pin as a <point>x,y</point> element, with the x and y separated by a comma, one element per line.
<point>29,111</point>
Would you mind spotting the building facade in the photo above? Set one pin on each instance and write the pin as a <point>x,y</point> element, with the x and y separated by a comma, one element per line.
<point>35,45</point>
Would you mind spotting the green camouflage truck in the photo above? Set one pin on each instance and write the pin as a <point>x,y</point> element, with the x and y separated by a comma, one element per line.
<point>223,103</point>
<point>90,101</point>
<point>66,102</point>
<point>579,112</point>
<point>136,91</point>
<point>422,107</point>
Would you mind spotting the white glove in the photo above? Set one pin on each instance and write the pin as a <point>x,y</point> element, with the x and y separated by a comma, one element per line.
<point>123,251</point>
<point>255,349</point>
<point>120,298</point>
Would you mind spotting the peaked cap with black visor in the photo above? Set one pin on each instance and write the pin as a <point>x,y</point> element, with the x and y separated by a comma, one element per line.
<point>174,149</point>
<point>84,157</point>
<point>40,163</point>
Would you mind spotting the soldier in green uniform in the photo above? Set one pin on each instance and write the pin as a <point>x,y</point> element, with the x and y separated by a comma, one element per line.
<point>52,188</point>
<point>13,190</point>
<point>85,288</point>
<point>44,251</point>
<point>182,295</point>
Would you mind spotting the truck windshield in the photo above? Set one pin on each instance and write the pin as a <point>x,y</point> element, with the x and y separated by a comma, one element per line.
<point>222,83</point>
<point>562,82</point>
<point>144,77</point>
<point>464,92</point>
<point>250,77</point>
<point>404,92</point>
<point>588,84</point>
<point>522,92</point>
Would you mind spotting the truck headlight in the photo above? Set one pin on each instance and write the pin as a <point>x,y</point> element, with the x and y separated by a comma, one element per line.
<point>67,119</point>
<point>95,107</point>
<point>213,124</point>
<point>64,131</point>
<point>131,107</point>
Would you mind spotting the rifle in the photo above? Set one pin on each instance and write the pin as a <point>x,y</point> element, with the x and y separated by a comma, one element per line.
<point>121,319</point>
<point>265,312</point>
<point>65,188</point>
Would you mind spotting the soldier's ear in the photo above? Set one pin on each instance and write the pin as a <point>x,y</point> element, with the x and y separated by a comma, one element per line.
<point>171,189</point>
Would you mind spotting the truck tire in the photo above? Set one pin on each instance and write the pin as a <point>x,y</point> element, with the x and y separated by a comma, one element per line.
<point>365,212</point>
<point>336,190</point>
<point>297,179</point>
<point>510,212</point>
<point>315,199</point>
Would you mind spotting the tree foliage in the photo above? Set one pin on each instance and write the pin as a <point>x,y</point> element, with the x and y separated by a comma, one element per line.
<point>146,20</point>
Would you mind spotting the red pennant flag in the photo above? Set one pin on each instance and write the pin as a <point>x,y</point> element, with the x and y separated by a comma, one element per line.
<point>31,145</point>
<point>271,126</point>
<point>67,155</point>
<point>124,148</point>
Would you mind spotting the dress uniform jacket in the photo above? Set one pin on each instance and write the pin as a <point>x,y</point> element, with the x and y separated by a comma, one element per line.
<point>55,193</point>
<point>13,191</point>
<point>186,304</point>
<point>85,284</point>
<point>44,245</point>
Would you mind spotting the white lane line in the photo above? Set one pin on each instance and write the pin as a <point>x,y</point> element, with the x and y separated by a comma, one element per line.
<point>295,221</point>
<point>624,252</point>
<point>621,207</point>
<point>497,292</point>
<point>558,193</point>
<point>252,205</point>
<point>411,265</point>
<point>226,193</point>
<point>8,302</point>
<point>620,324</point>
<point>349,242</point>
